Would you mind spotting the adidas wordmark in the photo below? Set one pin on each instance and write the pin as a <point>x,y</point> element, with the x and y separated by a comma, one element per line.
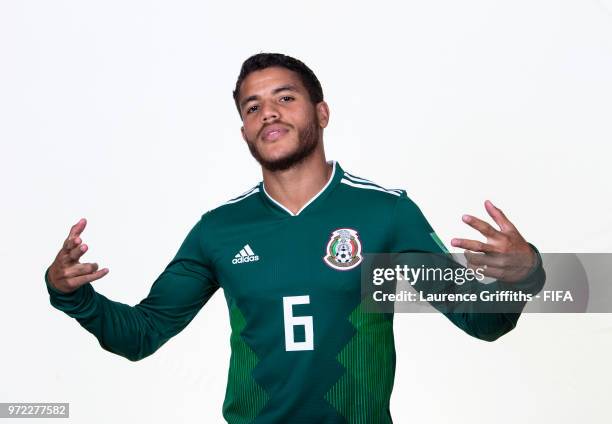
<point>246,254</point>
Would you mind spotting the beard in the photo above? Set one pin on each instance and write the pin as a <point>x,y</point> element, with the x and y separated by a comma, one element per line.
<point>308,140</point>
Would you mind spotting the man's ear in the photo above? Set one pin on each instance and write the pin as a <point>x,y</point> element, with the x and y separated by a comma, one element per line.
<point>322,111</point>
<point>243,135</point>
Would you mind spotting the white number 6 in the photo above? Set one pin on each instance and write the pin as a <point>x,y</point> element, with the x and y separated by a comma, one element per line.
<point>291,321</point>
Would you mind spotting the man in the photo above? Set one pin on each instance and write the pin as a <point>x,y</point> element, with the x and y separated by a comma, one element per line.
<point>287,254</point>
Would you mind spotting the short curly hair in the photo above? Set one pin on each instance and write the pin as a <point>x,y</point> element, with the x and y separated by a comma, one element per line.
<point>266,60</point>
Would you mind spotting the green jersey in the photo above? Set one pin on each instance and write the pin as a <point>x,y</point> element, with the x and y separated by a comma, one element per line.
<point>303,348</point>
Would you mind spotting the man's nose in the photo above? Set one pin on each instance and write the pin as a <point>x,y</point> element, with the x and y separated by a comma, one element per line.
<point>269,112</point>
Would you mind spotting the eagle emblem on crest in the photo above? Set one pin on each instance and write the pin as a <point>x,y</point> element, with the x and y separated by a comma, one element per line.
<point>343,250</point>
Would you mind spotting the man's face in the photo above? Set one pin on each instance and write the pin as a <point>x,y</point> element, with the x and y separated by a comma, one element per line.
<point>280,124</point>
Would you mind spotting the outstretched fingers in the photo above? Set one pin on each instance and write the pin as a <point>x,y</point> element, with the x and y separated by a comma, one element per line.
<point>473,245</point>
<point>66,273</point>
<point>77,228</point>
<point>87,278</point>
<point>80,269</point>
<point>71,251</point>
<point>482,226</point>
<point>499,217</point>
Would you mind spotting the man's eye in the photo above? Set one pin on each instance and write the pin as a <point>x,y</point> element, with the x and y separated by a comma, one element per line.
<point>284,98</point>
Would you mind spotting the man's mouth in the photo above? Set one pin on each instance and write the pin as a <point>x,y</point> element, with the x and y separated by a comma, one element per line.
<point>274,133</point>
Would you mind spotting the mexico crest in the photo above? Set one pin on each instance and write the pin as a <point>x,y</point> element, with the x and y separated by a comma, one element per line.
<point>343,250</point>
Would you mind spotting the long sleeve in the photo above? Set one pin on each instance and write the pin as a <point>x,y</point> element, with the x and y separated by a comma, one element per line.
<point>135,332</point>
<point>414,234</point>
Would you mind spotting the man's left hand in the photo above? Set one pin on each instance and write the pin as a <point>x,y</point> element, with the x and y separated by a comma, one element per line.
<point>505,256</point>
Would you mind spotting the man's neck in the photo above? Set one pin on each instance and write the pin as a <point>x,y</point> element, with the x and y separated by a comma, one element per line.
<point>294,187</point>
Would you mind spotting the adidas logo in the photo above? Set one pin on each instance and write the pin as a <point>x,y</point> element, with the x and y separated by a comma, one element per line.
<point>245,255</point>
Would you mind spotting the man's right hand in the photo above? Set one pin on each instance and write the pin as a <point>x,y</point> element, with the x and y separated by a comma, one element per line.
<point>66,273</point>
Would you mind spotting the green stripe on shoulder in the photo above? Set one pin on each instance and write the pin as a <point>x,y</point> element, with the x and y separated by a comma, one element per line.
<point>435,237</point>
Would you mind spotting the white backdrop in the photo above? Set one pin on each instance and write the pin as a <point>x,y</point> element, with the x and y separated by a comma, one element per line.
<point>121,112</point>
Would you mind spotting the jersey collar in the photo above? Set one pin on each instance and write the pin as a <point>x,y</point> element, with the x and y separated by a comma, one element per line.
<point>334,179</point>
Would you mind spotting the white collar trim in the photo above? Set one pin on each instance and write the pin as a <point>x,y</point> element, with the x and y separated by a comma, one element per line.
<point>333,173</point>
